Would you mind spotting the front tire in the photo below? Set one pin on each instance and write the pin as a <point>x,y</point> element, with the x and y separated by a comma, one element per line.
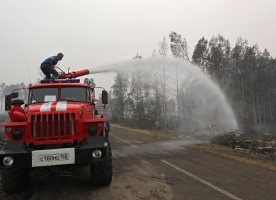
<point>15,180</point>
<point>101,172</point>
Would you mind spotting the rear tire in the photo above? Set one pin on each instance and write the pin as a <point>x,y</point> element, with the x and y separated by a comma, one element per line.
<point>15,180</point>
<point>101,172</point>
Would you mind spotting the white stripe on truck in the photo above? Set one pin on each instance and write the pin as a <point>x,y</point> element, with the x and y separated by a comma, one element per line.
<point>46,107</point>
<point>61,106</point>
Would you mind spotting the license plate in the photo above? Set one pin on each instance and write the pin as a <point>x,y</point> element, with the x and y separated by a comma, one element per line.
<point>53,157</point>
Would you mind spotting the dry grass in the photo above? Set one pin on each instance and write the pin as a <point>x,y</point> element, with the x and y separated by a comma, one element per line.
<point>153,133</point>
<point>238,155</point>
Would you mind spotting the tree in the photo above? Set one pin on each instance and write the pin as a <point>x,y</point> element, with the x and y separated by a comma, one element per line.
<point>236,88</point>
<point>179,46</point>
<point>138,56</point>
<point>2,86</point>
<point>137,94</point>
<point>250,62</point>
<point>163,47</point>
<point>154,54</point>
<point>200,54</point>
<point>119,87</point>
<point>218,59</point>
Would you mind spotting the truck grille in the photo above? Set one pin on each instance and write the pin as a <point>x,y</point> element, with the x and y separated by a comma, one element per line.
<point>53,126</point>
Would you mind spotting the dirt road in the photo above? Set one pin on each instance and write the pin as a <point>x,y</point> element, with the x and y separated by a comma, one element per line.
<point>153,167</point>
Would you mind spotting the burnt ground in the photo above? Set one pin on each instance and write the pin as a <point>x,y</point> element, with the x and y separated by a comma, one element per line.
<point>157,166</point>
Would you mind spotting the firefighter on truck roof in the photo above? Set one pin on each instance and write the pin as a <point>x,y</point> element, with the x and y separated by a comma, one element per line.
<point>47,66</point>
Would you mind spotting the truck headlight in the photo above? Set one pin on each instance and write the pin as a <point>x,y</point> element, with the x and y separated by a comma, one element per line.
<point>97,154</point>
<point>7,161</point>
<point>17,134</point>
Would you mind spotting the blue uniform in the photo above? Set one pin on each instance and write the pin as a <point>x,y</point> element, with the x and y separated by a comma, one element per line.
<point>48,68</point>
<point>47,61</point>
<point>107,125</point>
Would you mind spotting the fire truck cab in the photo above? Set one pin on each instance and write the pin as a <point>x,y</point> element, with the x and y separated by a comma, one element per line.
<point>59,126</point>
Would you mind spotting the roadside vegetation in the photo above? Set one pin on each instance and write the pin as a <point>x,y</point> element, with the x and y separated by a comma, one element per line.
<point>254,149</point>
<point>241,155</point>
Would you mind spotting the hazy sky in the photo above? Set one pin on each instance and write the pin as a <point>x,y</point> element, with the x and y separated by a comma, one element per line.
<point>91,33</point>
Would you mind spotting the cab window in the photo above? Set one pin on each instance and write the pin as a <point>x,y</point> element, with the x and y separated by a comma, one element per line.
<point>74,94</point>
<point>41,95</point>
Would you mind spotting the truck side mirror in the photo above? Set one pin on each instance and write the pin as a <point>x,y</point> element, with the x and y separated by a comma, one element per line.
<point>8,100</point>
<point>14,95</point>
<point>104,97</point>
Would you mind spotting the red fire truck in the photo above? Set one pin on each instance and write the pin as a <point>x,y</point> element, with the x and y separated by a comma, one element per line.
<point>58,127</point>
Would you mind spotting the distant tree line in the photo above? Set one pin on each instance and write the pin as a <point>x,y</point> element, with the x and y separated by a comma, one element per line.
<point>246,76</point>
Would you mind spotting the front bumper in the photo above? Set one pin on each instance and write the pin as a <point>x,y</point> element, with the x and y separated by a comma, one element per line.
<point>23,158</point>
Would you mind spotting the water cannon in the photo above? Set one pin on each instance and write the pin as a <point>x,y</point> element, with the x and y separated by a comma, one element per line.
<point>74,74</point>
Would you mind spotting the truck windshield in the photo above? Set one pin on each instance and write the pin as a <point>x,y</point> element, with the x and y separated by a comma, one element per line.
<point>42,95</point>
<point>74,94</point>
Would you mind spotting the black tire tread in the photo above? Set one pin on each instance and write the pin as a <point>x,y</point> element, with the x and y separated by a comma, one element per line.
<point>101,172</point>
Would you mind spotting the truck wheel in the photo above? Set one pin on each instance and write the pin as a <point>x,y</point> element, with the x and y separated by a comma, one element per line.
<point>101,172</point>
<point>15,180</point>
